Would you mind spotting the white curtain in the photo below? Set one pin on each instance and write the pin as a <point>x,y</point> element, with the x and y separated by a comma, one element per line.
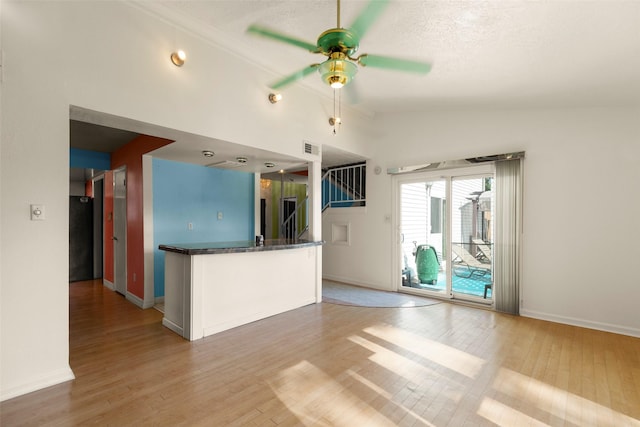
<point>507,226</point>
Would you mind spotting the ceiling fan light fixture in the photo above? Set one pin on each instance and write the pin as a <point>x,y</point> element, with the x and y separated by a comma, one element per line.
<point>337,82</point>
<point>337,72</point>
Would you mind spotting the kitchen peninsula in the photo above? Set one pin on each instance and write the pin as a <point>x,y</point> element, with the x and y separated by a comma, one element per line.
<point>212,287</point>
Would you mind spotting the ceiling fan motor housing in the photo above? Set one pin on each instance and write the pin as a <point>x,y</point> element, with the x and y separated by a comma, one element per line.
<point>338,40</point>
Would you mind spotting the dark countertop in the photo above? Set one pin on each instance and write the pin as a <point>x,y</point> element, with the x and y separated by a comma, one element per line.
<point>206,248</point>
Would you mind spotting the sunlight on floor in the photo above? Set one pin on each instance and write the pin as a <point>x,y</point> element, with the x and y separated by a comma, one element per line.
<point>393,361</point>
<point>449,357</point>
<point>559,403</point>
<point>301,388</point>
<point>427,388</point>
<point>388,396</point>
<point>503,415</point>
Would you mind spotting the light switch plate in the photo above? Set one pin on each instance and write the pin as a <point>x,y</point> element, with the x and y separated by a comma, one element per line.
<point>37,212</point>
<point>219,215</point>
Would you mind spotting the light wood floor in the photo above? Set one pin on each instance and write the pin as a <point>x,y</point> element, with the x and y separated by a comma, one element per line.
<point>325,365</point>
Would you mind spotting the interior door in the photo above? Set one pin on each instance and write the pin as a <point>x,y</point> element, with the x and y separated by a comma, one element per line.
<point>80,238</point>
<point>120,230</point>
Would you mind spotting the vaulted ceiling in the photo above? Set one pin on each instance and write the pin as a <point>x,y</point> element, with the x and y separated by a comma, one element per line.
<point>484,53</point>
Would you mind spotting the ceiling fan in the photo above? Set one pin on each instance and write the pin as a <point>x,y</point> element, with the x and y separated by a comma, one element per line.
<point>340,45</point>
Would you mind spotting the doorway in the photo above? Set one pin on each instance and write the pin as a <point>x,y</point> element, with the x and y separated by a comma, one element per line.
<point>80,238</point>
<point>120,230</point>
<point>289,222</point>
<point>446,233</point>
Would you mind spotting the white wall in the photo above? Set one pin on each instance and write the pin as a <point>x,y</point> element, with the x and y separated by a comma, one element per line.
<point>113,58</point>
<point>581,238</point>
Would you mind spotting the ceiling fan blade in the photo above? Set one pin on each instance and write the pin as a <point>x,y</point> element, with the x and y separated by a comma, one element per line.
<point>367,17</point>
<point>272,34</point>
<point>298,75</point>
<point>351,93</point>
<point>394,63</point>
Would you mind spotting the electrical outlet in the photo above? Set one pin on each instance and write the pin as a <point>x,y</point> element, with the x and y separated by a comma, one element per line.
<point>190,226</point>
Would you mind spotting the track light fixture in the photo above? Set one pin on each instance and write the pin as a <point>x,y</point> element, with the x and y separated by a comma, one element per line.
<point>275,97</point>
<point>178,58</point>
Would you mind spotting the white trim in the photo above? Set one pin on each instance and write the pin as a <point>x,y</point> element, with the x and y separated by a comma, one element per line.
<point>107,284</point>
<point>350,210</point>
<point>147,215</point>
<point>566,320</point>
<point>43,381</point>
<point>172,326</point>
<point>350,281</point>
<point>257,190</point>
<point>139,301</point>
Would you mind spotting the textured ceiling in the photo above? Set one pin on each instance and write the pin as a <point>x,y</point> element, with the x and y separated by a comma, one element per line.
<point>484,53</point>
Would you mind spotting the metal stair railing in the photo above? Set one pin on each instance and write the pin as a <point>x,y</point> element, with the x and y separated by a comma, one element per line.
<point>346,186</point>
<point>290,225</point>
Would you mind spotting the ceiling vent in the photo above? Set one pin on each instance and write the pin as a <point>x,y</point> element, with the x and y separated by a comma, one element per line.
<point>309,148</point>
<point>226,164</point>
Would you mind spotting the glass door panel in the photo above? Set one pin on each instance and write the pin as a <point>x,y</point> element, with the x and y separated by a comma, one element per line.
<point>471,237</point>
<point>423,232</point>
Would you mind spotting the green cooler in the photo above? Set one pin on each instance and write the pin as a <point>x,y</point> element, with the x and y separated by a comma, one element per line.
<point>427,264</point>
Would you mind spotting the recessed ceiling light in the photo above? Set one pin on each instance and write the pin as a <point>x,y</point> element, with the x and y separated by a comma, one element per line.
<point>208,153</point>
<point>241,159</point>
<point>269,164</point>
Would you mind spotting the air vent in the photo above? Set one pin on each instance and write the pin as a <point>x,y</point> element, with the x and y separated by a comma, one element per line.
<point>308,148</point>
<point>226,164</point>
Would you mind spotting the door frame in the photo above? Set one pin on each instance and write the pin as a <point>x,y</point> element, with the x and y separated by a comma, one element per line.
<point>120,221</point>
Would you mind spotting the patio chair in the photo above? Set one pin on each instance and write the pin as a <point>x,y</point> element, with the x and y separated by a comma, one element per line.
<point>484,250</point>
<point>466,265</point>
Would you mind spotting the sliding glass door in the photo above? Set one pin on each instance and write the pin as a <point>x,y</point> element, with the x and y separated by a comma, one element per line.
<point>423,223</point>
<point>471,236</point>
<point>446,235</point>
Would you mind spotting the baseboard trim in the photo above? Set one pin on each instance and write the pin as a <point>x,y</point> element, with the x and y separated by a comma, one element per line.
<point>172,326</point>
<point>54,378</point>
<point>159,300</point>
<point>349,281</point>
<point>599,326</point>
<point>108,284</point>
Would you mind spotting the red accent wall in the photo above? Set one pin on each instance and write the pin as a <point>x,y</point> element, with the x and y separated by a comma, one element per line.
<point>108,227</point>
<point>88,188</point>
<point>130,156</point>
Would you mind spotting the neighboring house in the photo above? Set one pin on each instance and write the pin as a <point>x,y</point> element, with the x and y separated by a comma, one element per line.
<point>111,58</point>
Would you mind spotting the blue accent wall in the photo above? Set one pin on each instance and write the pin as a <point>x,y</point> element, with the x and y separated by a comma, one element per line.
<point>88,159</point>
<point>185,193</point>
<point>328,189</point>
